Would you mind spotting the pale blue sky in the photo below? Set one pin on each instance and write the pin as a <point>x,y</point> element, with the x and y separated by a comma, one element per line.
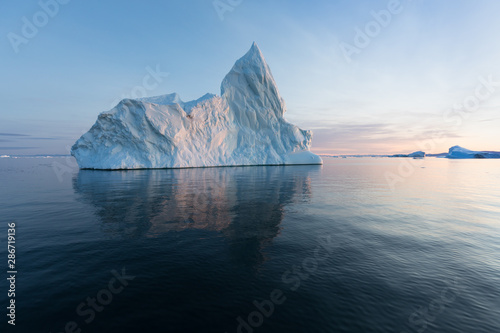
<point>389,98</point>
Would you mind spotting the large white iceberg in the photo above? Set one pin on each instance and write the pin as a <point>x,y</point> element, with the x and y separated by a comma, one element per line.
<point>243,126</point>
<point>457,152</point>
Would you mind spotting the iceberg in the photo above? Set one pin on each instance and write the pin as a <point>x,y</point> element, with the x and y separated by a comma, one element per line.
<point>417,154</point>
<point>458,152</point>
<point>245,125</point>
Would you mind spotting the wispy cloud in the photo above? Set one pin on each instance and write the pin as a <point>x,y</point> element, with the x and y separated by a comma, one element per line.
<point>15,148</point>
<point>25,142</point>
<point>12,134</point>
<point>29,137</point>
<point>488,120</point>
<point>41,138</point>
<point>374,138</point>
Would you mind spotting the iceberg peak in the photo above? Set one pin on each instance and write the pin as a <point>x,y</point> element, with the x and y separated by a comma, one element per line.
<point>255,56</point>
<point>250,80</point>
<point>456,148</point>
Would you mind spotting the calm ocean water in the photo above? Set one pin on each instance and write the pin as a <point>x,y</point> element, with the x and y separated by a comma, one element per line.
<point>254,249</point>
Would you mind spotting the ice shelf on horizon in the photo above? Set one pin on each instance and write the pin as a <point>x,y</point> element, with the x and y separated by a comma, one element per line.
<point>243,126</point>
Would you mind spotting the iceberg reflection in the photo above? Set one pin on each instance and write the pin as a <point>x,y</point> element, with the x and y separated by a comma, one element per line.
<point>238,202</point>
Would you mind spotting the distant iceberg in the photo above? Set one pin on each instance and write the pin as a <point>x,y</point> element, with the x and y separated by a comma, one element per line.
<point>458,152</point>
<point>243,126</point>
<point>417,154</point>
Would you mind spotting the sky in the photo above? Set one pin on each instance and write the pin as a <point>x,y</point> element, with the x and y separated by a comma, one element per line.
<point>367,77</point>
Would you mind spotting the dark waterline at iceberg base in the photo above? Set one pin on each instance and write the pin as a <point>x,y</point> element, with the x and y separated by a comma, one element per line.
<point>286,249</point>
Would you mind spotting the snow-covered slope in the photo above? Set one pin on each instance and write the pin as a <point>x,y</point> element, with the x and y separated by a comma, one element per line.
<point>244,126</point>
<point>459,152</point>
